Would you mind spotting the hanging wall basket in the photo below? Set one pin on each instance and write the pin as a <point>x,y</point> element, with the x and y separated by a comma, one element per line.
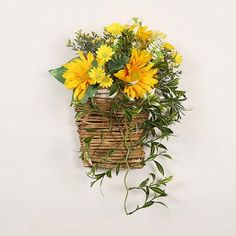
<point>126,97</point>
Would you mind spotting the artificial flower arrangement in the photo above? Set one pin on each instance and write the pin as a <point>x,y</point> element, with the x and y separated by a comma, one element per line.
<point>126,97</point>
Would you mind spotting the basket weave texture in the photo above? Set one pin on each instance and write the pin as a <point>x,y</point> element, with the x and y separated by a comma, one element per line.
<point>115,140</point>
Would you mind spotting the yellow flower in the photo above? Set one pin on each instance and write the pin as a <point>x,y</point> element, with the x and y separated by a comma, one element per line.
<point>177,58</point>
<point>131,27</point>
<point>97,75</point>
<point>168,46</point>
<point>115,28</point>
<point>159,35</point>
<point>139,74</point>
<point>143,34</point>
<point>76,75</point>
<point>106,82</point>
<point>104,54</point>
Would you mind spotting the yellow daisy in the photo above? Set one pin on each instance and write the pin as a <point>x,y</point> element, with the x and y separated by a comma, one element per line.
<point>143,34</point>
<point>76,76</point>
<point>97,75</point>
<point>131,27</point>
<point>139,74</point>
<point>115,28</point>
<point>104,54</point>
<point>178,59</point>
<point>106,82</point>
<point>168,46</point>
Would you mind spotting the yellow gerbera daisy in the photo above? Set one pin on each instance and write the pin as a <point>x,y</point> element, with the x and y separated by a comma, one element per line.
<point>143,34</point>
<point>77,76</point>
<point>139,74</point>
<point>106,82</point>
<point>115,28</point>
<point>97,75</point>
<point>104,54</point>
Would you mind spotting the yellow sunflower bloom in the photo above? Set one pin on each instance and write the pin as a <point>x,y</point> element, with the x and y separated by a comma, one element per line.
<point>76,76</point>
<point>143,34</point>
<point>104,54</point>
<point>115,28</point>
<point>139,74</point>
<point>97,75</point>
<point>106,82</point>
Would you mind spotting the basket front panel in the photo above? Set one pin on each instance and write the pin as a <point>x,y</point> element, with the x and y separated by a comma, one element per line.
<point>114,140</point>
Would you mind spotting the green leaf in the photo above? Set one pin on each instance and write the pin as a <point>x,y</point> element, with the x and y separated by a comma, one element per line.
<point>167,156</point>
<point>162,146</point>
<point>152,157</point>
<point>148,204</point>
<point>117,64</point>
<point>89,93</point>
<point>128,115</point>
<point>90,129</point>
<point>159,57</point>
<point>166,180</point>
<point>114,88</point>
<point>158,190</point>
<point>99,176</point>
<point>146,145</point>
<point>180,93</point>
<point>108,173</point>
<point>153,176</point>
<point>88,139</point>
<point>144,183</point>
<point>147,193</point>
<point>57,73</point>
<point>152,150</point>
<point>117,169</point>
<point>162,203</point>
<point>159,167</point>
<point>166,131</point>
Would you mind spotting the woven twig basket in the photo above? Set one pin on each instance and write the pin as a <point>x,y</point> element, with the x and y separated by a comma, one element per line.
<point>108,147</point>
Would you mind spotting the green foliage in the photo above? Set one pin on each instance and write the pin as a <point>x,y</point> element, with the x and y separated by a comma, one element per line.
<point>89,93</point>
<point>114,89</point>
<point>86,42</point>
<point>159,167</point>
<point>125,41</point>
<point>117,63</point>
<point>88,140</point>
<point>57,73</point>
<point>156,128</point>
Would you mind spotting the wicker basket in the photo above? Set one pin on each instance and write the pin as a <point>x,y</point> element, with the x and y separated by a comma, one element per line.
<point>108,147</point>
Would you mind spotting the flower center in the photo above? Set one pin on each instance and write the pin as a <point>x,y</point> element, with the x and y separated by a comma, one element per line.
<point>105,80</point>
<point>136,75</point>
<point>104,55</point>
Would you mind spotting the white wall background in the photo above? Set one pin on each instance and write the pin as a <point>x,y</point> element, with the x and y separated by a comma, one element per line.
<point>44,190</point>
